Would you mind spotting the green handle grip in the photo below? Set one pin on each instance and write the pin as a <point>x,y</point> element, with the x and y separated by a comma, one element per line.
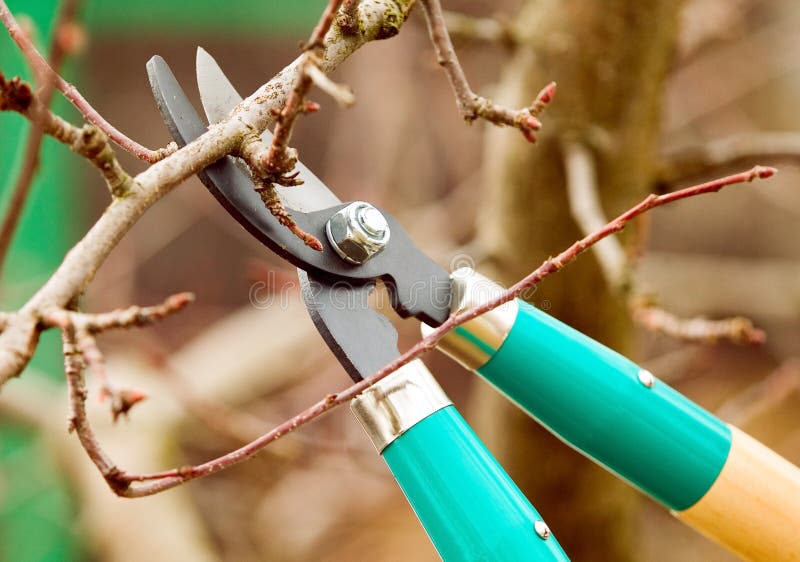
<point>609,408</point>
<point>469,506</point>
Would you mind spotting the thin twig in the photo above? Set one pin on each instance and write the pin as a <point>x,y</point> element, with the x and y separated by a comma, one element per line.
<point>30,160</point>
<point>487,30</point>
<point>471,105</point>
<point>584,203</point>
<point>148,484</point>
<point>737,330</point>
<point>121,399</point>
<point>133,316</point>
<point>763,395</point>
<point>586,209</point>
<point>42,68</point>
<point>80,328</point>
<point>78,421</point>
<point>315,42</point>
<point>729,152</point>
<point>274,165</point>
<point>341,93</point>
<point>88,141</point>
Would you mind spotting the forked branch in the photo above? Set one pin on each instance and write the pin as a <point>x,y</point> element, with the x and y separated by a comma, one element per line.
<point>471,105</point>
<point>43,69</point>
<point>22,328</point>
<point>80,349</point>
<point>88,141</point>
<point>65,42</point>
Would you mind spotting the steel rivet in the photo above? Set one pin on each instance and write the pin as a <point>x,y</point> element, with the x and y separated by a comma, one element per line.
<point>542,529</point>
<point>646,378</point>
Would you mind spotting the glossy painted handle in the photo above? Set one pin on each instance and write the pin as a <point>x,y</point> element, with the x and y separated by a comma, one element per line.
<point>715,478</point>
<point>609,408</point>
<point>469,506</point>
<point>712,476</point>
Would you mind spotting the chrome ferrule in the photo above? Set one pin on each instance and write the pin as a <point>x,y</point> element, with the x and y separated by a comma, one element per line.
<point>397,403</point>
<point>475,342</point>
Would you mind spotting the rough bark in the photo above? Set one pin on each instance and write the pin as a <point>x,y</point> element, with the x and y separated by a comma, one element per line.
<point>610,60</point>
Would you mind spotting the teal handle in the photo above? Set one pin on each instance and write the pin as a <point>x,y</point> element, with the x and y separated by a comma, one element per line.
<point>593,398</point>
<point>469,506</point>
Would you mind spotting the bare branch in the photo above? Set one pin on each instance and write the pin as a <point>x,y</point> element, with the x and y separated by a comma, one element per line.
<point>78,421</point>
<point>728,152</point>
<point>122,400</point>
<point>80,328</point>
<point>341,93</point>
<point>88,141</point>
<point>133,316</point>
<point>471,105</point>
<point>738,329</point>
<point>60,46</point>
<point>315,42</point>
<point>273,165</point>
<point>254,114</point>
<point>148,484</point>
<point>488,30</point>
<point>763,395</point>
<point>584,203</point>
<point>43,69</point>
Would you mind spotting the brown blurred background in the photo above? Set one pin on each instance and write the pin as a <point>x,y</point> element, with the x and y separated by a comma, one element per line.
<point>635,83</point>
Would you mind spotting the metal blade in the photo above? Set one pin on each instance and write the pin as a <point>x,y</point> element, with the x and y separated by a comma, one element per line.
<point>219,97</point>
<point>217,94</point>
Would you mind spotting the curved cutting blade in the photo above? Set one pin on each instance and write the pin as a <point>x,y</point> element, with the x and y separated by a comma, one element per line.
<point>219,97</point>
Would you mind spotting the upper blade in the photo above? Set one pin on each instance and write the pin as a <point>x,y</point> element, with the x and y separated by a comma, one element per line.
<point>217,94</point>
<point>219,97</point>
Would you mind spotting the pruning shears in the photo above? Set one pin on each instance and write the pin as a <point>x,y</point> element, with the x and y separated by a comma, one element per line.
<point>711,475</point>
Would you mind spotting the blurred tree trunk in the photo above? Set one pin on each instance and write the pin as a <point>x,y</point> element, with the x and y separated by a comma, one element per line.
<point>610,60</point>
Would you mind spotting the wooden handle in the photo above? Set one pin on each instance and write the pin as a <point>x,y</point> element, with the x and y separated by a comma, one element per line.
<point>753,508</point>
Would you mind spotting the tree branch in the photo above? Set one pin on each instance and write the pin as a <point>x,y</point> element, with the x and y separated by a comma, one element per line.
<point>737,330</point>
<point>79,328</point>
<point>728,152</point>
<point>43,69</point>
<point>59,48</point>
<point>487,30</point>
<point>78,421</point>
<point>470,105</point>
<point>584,203</point>
<point>88,141</point>
<point>19,339</point>
<point>273,165</point>
<point>133,316</point>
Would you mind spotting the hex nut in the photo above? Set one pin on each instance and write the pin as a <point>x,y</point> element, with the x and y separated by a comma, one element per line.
<point>354,239</point>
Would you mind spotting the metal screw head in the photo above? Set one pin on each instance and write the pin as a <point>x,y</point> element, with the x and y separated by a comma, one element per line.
<point>542,529</point>
<point>646,378</point>
<point>357,232</point>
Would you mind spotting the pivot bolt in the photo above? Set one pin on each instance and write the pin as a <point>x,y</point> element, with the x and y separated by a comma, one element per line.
<point>357,232</point>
